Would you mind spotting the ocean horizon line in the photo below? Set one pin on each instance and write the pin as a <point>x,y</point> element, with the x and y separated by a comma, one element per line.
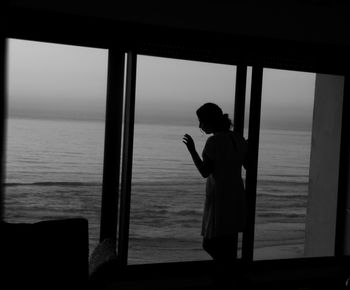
<point>171,124</point>
<point>52,183</point>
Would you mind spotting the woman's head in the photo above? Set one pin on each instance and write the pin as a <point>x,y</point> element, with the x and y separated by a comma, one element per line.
<point>211,118</point>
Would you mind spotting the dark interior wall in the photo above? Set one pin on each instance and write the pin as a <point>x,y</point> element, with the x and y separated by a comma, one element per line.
<point>317,21</point>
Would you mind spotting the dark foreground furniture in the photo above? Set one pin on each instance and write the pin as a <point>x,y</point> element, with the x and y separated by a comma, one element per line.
<point>44,255</point>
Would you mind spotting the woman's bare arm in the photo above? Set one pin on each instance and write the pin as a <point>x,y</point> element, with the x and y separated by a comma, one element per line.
<point>203,166</point>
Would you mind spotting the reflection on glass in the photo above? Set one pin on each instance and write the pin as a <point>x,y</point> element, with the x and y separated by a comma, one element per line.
<point>55,133</point>
<point>167,195</point>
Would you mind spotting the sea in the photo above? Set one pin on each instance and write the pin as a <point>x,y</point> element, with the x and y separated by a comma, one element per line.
<point>54,170</point>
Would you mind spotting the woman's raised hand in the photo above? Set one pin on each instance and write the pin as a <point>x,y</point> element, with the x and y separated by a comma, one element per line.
<point>188,141</point>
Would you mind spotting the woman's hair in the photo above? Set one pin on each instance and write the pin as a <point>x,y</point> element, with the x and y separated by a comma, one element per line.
<point>211,113</point>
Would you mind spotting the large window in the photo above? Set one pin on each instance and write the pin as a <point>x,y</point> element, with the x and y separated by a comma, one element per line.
<point>284,157</point>
<point>168,193</point>
<point>56,129</point>
<point>298,164</point>
<point>55,132</point>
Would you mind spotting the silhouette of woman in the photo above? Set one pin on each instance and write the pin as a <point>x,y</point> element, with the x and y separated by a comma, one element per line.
<point>221,163</point>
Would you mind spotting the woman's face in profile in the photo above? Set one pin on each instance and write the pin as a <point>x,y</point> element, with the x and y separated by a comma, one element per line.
<point>205,127</point>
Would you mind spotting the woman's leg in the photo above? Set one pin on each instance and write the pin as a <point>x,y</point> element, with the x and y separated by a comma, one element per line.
<point>222,248</point>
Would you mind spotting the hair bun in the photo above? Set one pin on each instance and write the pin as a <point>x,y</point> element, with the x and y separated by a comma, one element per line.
<point>225,116</point>
<point>226,121</point>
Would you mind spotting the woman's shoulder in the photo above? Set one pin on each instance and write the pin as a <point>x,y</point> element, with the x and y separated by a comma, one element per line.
<point>210,141</point>
<point>224,136</point>
<point>229,134</point>
<point>214,140</point>
<point>209,147</point>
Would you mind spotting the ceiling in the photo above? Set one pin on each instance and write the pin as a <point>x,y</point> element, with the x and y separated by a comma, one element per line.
<point>316,21</point>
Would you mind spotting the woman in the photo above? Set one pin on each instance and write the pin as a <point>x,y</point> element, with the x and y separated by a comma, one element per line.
<point>221,163</point>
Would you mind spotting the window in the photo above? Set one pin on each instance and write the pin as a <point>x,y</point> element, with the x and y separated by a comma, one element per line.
<point>55,136</point>
<point>55,132</point>
<point>167,195</point>
<point>294,179</point>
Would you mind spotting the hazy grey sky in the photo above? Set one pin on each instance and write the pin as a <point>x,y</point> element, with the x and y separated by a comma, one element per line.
<point>170,90</point>
<point>56,80</point>
<point>287,99</point>
<point>50,80</point>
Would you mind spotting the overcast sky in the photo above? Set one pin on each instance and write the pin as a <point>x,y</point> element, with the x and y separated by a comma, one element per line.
<point>59,81</point>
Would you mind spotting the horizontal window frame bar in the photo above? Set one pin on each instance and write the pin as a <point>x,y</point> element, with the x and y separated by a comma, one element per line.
<point>175,42</point>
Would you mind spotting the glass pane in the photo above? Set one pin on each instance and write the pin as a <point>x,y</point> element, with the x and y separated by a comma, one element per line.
<point>55,132</point>
<point>167,191</point>
<point>284,159</point>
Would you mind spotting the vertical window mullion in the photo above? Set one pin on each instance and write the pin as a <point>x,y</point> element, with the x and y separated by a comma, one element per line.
<point>252,167</point>
<point>123,241</point>
<point>113,134</point>
<point>2,120</point>
<point>241,79</point>
<point>239,110</point>
<point>342,210</point>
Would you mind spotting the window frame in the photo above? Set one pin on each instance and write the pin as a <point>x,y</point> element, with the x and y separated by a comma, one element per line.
<point>3,119</point>
<point>148,40</point>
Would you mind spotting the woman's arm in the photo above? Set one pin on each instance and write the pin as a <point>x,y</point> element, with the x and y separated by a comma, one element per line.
<point>203,166</point>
